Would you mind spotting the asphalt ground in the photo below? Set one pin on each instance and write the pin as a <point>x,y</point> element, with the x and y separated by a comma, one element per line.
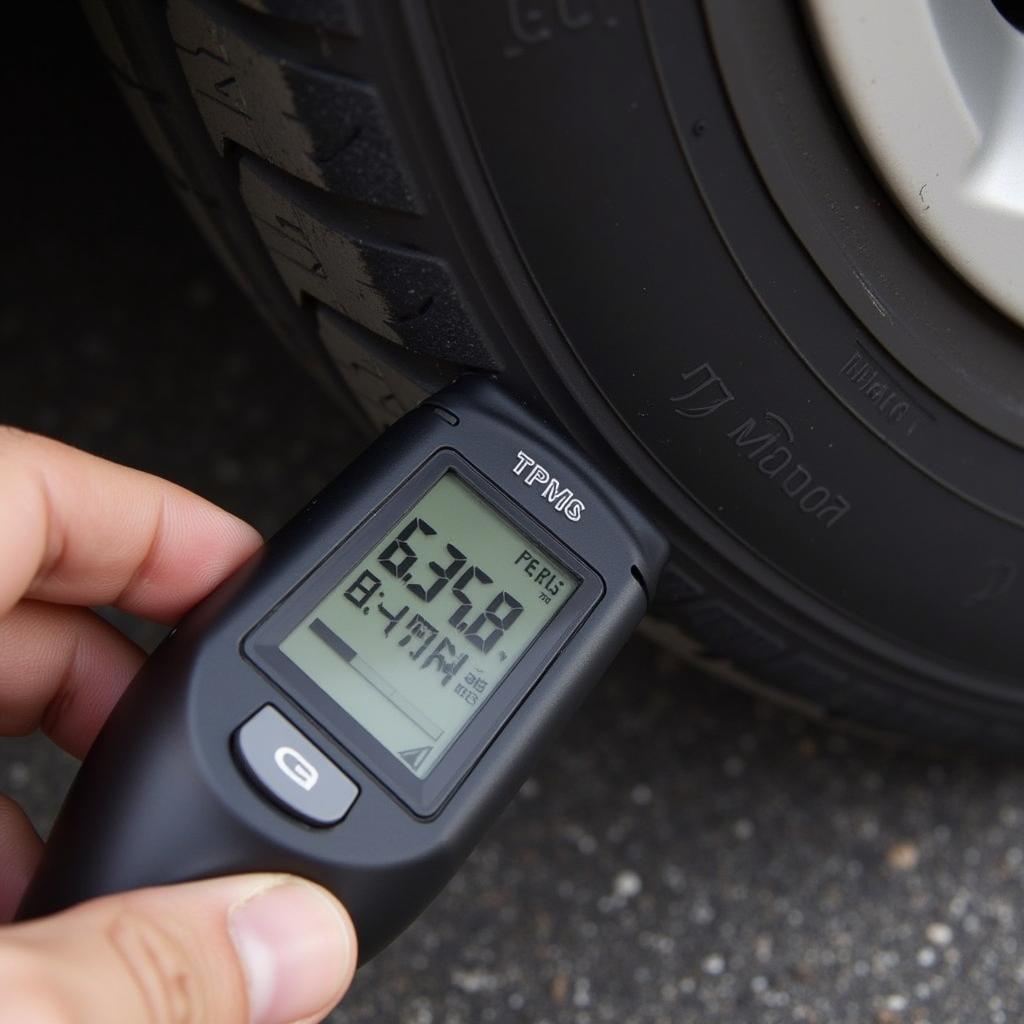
<point>686,853</point>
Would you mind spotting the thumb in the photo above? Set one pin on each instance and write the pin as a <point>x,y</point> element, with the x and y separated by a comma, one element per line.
<point>254,949</point>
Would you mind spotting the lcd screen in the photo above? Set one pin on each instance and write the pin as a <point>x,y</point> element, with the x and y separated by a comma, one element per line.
<point>416,638</point>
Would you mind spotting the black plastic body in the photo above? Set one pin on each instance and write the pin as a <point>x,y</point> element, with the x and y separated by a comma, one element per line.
<point>160,798</point>
<point>424,797</point>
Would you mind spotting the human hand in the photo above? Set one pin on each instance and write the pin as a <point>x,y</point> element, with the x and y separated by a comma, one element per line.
<point>76,531</point>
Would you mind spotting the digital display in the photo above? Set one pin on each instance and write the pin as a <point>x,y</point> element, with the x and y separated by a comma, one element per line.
<point>416,638</point>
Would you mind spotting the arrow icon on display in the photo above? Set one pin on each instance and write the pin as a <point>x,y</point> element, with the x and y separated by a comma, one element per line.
<point>414,757</point>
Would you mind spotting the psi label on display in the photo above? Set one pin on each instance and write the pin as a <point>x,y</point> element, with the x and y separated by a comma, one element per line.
<point>422,631</point>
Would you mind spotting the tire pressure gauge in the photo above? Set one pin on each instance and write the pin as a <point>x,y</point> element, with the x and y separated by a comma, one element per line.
<point>363,697</point>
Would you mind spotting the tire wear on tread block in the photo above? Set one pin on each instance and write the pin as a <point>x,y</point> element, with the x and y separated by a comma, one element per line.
<point>400,294</point>
<point>325,128</point>
<point>383,394</point>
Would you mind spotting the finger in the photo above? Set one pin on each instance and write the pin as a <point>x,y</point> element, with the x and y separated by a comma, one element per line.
<point>62,669</point>
<point>264,949</point>
<point>20,848</point>
<point>77,529</point>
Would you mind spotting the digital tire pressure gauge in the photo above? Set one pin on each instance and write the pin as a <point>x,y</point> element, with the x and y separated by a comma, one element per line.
<point>363,697</point>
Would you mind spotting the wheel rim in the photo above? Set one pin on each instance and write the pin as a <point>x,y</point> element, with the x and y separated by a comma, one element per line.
<point>935,91</point>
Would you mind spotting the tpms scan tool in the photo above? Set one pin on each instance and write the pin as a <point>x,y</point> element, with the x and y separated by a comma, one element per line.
<point>363,697</point>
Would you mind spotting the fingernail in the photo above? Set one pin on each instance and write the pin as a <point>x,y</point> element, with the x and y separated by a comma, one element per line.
<point>297,951</point>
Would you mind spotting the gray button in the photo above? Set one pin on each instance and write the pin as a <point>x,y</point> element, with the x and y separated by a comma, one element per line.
<point>292,770</point>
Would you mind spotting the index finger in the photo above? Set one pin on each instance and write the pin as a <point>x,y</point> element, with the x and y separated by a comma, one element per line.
<point>76,529</point>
